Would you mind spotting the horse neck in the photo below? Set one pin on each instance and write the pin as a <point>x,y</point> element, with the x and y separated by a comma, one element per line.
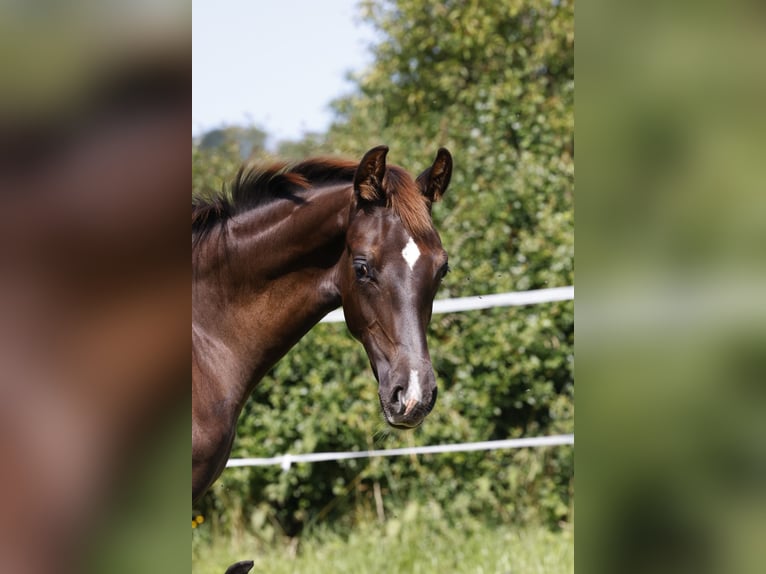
<point>270,279</point>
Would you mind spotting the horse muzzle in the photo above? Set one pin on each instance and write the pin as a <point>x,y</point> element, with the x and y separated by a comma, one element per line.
<point>408,398</point>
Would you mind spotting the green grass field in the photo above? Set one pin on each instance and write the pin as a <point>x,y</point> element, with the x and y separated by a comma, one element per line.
<point>398,547</point>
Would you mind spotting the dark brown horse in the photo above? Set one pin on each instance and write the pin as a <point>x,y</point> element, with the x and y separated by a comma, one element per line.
<point>292,244</point>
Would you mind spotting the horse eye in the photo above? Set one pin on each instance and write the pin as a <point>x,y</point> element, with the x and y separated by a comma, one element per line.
<point>362,270</point>
<point>444,270</point>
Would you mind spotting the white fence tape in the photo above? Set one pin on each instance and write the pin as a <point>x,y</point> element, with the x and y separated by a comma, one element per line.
<point>287,460</point>
<point>514,299</point>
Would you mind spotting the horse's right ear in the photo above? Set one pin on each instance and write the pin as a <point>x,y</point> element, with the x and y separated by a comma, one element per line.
<point>433,181</point>
<point>368,180</point>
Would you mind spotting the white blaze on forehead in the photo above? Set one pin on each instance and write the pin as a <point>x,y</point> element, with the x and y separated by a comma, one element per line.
<point>413,389</point>
<point>411,253</point>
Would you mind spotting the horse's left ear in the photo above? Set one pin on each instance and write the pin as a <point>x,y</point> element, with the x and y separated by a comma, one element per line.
<point>368,179</point>
<point>433,181</point>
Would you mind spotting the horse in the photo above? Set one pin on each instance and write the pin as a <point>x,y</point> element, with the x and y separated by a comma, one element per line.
<point>292,243</point>
<point>241,567</point>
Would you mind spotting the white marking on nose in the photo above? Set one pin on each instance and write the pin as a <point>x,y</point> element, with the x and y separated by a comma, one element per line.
<point>413,389</point>
<point>411,253</point>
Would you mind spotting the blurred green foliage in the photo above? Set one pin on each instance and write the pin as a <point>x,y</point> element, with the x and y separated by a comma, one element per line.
<point>671,314</point>
<point>494,83</point>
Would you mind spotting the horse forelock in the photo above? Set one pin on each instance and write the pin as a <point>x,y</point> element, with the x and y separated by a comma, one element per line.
<point>406,200</point>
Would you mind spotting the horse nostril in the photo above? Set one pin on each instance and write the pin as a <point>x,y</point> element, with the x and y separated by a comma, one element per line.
<point>396,399</point>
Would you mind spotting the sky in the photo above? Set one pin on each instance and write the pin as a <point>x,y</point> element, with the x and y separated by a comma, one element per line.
<point>274,64</point>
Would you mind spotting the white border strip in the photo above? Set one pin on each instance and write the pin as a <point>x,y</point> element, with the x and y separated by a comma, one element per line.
<point>513,299</point>
<point>285,461</point>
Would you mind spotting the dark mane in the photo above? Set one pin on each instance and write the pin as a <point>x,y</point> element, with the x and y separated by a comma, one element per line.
<point>253,186</point>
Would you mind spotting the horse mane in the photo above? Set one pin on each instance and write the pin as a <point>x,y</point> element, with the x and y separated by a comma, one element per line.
<point>254,186</point>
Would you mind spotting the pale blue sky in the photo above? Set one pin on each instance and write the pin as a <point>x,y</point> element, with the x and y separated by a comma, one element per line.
<point>275,64</point>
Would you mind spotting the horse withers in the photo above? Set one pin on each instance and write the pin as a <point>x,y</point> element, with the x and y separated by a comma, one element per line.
<point>292,243</point>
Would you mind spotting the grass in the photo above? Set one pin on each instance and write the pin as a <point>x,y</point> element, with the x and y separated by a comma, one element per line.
<point>398,546</point>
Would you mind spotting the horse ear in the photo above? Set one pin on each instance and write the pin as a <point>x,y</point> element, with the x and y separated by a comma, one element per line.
<point>368,179</point>
<point>433,181</point>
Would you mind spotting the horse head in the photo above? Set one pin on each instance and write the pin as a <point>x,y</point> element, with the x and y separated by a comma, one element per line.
<point>390,272</point>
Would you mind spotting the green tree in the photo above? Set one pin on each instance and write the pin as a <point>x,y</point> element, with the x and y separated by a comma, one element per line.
<point>218,153</point>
